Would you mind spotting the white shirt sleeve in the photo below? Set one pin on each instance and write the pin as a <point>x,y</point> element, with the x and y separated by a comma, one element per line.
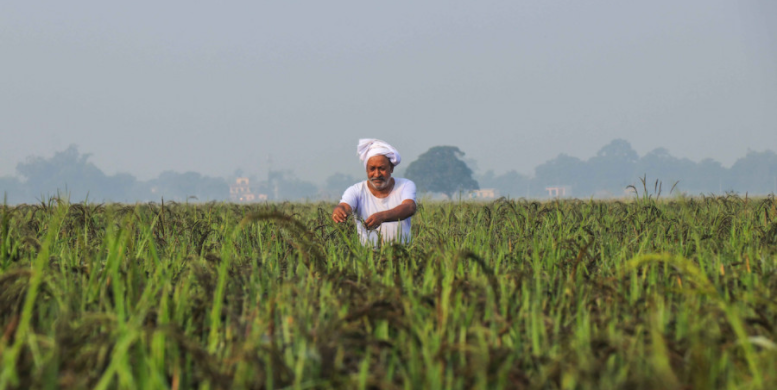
<point>408,191</point>
<point>351,197</point>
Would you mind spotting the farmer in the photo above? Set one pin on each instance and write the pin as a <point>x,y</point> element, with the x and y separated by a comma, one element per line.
<point>382,205</point>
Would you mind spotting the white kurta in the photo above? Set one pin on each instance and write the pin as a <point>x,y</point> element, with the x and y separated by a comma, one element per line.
<point>364,203</point>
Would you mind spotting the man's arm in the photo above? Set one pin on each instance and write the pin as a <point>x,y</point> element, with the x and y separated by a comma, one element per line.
<point>404,211</point>
<point>341,212</point>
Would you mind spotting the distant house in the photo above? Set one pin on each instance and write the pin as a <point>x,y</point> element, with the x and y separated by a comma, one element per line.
<point>240,192</point>
<point>485,193</point>
<point>558,191</point>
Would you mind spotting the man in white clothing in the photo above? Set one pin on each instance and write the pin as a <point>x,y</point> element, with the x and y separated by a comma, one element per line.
<point>382,204</point>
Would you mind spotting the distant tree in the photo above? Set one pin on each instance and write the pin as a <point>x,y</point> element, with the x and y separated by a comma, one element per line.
<point>659,165</point>
<point>613,166</point>
<point>755,173</point>
<point>71,173</point>
<point>510,184</point>
<point>283,185</point>
<point>708,177</point>
<point>295,189</point>
<point>337,184</point>
<point>12,190</point>
<point>565,170</point>
<point>618,150</point>
<point>441,169</point>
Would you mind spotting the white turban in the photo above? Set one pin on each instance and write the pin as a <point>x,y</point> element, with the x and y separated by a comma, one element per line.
<point>369,147</point>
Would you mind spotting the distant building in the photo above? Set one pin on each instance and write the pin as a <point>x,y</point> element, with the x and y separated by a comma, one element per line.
<point>557,191</point>
<point>240,192</point>
<point>484,193</point>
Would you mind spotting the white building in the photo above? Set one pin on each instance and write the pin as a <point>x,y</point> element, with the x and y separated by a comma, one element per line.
<point>240,192</point>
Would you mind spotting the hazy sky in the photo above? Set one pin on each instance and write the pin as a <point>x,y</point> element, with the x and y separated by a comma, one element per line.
<point>153,86</point>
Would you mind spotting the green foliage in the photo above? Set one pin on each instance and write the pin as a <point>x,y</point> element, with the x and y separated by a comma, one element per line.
<point>440,169</point>
<point>644,294</point>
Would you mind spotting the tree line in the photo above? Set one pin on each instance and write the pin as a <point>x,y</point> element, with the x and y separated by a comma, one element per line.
<point>617,165</point>
<point>70,173</point>
<point>442,170</point>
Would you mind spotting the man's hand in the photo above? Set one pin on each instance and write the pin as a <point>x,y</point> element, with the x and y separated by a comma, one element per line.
<point>374,220</point>
<point>399,213</point>
<point>341,212</point>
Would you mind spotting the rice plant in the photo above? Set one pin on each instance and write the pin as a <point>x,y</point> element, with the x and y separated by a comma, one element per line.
<point>645,293</point>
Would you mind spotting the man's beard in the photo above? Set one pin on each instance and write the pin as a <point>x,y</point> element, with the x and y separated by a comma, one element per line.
<point>379,183</point>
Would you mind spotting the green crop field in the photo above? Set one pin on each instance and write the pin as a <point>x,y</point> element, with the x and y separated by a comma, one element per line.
<point>634,294</point>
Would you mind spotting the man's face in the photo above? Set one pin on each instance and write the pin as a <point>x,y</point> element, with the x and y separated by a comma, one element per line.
<point>379,171</point>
